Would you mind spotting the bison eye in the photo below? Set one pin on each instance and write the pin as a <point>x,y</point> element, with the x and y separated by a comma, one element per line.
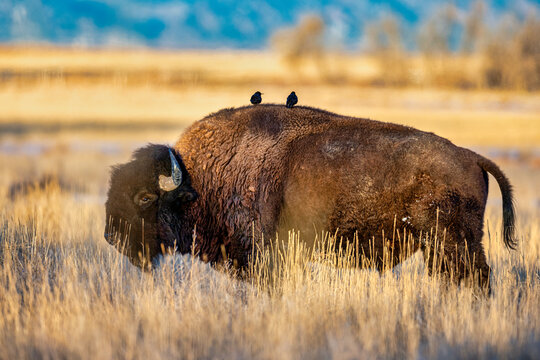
<point>144,198</point>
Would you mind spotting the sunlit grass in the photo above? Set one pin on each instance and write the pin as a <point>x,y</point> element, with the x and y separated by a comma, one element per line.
<point>65,292</point>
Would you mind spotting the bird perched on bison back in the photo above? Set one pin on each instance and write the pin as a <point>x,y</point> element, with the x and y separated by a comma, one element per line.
<point>256,98</point>
<point>292,100</point>
<point>242,174</point>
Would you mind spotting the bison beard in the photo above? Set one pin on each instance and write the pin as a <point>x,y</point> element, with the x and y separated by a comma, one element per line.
<point>165,230</point>
<point>268,169</point>
<point>170,233</point>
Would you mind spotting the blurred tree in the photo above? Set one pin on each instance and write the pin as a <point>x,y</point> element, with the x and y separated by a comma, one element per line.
<point>436,33</point>
<point>474,31</point>
<point>528,43</point>
<point>511,57</point>
<point>302,42</point>
<point>384,35</point>
<point>385,42</point>
<point>497,53</point>
<point>437,40</point>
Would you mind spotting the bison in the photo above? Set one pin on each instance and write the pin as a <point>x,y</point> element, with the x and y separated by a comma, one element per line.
<point>266,169</point>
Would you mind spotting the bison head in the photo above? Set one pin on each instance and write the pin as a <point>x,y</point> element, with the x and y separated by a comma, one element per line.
<point>146,202</point>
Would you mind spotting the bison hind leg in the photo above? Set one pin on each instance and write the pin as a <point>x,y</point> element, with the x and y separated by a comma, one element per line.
<point>459,263</point>
<point>455,247</point>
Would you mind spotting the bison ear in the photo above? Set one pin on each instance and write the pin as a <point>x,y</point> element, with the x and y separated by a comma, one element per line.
<point>188,195</point>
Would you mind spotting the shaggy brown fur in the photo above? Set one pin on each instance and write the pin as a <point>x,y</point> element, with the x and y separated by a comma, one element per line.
<point>269,169</point>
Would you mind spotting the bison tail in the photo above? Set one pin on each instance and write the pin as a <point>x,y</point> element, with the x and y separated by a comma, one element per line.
<point>507,201</point>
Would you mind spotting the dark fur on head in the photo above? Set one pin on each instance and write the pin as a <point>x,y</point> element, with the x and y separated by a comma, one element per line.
<point>137,208</point>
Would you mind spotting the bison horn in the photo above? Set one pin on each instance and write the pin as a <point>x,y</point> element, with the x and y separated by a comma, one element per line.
<point>169,183</point>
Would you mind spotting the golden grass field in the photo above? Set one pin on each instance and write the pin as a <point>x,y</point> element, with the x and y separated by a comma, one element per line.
<point>65,293</point>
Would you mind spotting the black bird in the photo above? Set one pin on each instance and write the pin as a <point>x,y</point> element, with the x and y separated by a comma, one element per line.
<point>256,98</point>
<point>292,100</point>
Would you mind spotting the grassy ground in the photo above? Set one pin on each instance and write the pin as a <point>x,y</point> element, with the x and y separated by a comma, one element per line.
<point>65,293</point>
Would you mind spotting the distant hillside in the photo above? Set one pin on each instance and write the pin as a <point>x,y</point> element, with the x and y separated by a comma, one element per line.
<point>209,23</point>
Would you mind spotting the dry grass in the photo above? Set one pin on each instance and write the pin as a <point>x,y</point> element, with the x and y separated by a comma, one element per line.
<point>65,293</point>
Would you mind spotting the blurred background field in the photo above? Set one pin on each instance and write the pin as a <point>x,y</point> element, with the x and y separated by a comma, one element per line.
<point>107,102</point>
<point>84,83</point>
<point>466,70</point>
